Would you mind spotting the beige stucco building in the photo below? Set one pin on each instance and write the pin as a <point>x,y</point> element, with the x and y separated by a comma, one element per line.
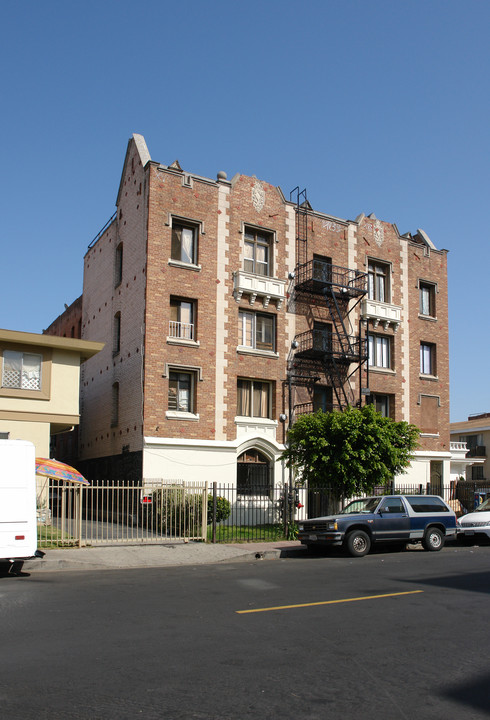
<point>475,432</point>
<point>40,385</point>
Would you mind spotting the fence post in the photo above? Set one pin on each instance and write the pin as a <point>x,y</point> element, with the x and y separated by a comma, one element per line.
<point>80,510</point>
<point>215,503</point>
<point>204,528</point>
<point>285,509</point>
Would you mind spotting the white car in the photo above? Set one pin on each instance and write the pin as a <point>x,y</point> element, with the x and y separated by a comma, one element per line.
<point>476,523</point>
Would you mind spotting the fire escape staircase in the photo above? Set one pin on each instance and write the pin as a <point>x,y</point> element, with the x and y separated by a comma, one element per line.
<point>329,349</point>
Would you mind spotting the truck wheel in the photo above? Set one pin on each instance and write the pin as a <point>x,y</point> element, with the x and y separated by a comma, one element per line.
<point>358,543</point>
<point>433,540</point>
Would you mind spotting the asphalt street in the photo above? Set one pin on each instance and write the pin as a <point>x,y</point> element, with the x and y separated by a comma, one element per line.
<point>389,636</point>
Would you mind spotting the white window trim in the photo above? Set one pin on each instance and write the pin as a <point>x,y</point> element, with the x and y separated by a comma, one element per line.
<point>252,348</point>
<point>182,220</point>
<point>389,265</point>
<point>420,281</point>
<point>197,371</point>
<point>176,415</point>
<point>254,418</point>
<point>244,225</point>
<point>383,368</point>
<point>187,266</point>
<point>176,367</point>
<point>182,341</point>
<point>246,350</point>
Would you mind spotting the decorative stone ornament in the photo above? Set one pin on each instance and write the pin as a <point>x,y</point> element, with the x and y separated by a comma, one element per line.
<point>258,195</point>
<point>379,233</point>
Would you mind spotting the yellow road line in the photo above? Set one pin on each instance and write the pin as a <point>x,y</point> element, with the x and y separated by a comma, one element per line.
<point>328,602</point>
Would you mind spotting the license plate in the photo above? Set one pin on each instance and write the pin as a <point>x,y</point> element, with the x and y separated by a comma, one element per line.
<point>469,532</point>
<point>312,537</point>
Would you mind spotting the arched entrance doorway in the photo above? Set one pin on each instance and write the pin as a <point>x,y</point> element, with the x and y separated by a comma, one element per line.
<point>254,476</point>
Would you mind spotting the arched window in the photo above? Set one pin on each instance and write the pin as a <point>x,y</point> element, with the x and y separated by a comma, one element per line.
<point>254,476</point>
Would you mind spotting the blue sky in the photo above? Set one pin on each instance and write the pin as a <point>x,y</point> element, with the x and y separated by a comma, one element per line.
<point>371,106</point>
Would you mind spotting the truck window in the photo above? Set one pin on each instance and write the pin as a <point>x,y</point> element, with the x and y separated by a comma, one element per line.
<point>424,504</point>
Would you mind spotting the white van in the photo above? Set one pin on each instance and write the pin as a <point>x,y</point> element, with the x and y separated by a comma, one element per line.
<point>18,528</point>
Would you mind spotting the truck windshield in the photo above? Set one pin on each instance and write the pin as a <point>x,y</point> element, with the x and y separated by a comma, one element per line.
<point>368,505</point>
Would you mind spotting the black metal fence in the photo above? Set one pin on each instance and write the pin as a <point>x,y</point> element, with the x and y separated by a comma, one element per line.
<point>266,513</point>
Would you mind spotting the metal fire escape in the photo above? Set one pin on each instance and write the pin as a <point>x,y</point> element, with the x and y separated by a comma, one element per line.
<point>330,352</point>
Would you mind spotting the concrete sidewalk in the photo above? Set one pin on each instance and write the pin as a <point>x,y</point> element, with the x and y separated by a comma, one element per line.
<point>177,553</point>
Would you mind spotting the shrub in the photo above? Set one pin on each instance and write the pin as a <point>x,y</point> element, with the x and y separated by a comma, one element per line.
<point>176,511</point>
<point>223,509</point>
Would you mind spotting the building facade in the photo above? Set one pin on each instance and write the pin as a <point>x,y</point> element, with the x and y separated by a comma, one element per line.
<point>228,309</point>
<point>39,392</point>
<point>475,433</point>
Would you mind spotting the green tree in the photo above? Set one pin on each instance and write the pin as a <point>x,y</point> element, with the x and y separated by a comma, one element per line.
<point>349,451</point>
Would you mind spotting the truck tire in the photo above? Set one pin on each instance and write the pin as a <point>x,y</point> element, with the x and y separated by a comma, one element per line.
<point>433,539</point>
<point>358,543</point>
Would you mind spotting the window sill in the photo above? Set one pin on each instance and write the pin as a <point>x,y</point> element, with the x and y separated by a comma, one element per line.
<point>182,341</point>
<point>244,350</point>
<point>429,435</point>
<point>245,419</point>
<point>385,371</point>
<point>176,415</point>
<point>430,318</point>
<point>184,265</point>
<point>431,378</point>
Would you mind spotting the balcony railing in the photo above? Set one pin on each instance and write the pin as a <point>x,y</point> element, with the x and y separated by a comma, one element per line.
<point>322,345</point>
<point>477,451</point>
<point>316,275</point>
<point>381,312</point>
<point>180,330</point>
<point>258,286</point>
<point>311,407</point>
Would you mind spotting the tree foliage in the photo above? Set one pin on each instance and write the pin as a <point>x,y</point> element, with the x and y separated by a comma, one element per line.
<point>349,451</point>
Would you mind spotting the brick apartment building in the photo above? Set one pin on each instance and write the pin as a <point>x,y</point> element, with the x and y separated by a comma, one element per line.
<point>227,309</point>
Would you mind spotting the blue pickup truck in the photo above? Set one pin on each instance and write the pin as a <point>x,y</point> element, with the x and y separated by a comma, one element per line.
<point>390,518</point>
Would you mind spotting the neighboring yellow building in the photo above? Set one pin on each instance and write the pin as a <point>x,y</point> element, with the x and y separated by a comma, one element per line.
<point>475,432</point>
<point>40,385</point>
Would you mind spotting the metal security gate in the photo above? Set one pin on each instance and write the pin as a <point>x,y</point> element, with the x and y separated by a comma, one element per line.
<point>121,513</point>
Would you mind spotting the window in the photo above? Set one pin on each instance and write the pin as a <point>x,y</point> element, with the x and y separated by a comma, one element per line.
<point>116,340</point>
<point>322,268</point>
<point>392,505</point>
<point>477,472</point>
<point>427,358</point>
<point>184,243</point>
<point>258,252</point>
<point>254,398</point>
<point>322,337</point>
<point>425,504</point>
<point>182,321</point>
<point>256,330</point>
<point>379,351</point>
<point>118,265</point>
<point>427,297</point>
<point>21,370</point>
<point>382,403</point>
<point>378,281</point>
<point>253,474</point>
<point>181,389</point>
<point>322,398</point>
<point>472,441</point>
